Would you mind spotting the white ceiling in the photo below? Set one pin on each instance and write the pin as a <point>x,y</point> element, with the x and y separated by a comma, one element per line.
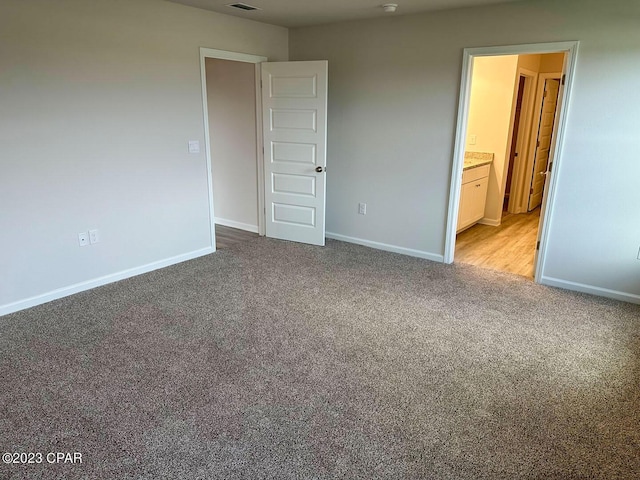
<point>298,13</point>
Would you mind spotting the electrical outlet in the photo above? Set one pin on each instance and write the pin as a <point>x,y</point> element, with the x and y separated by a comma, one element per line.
<point>93,236</point>
<point>472,139</point>
<point>362,208</point>
<point>83,239</point>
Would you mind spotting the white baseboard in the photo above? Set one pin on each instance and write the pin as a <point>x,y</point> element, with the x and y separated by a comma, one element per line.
<point>490,221</point>
<point>98,282</point>
<point>386,247</point>
<point>238,225</point>
<point>598,291</point>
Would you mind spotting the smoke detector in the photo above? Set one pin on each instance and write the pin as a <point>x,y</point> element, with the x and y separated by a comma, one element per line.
<point>242,6</point>
<point>390,7</point>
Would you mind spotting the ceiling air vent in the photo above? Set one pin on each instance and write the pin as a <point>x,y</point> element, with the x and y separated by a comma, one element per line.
<point>242,6</point>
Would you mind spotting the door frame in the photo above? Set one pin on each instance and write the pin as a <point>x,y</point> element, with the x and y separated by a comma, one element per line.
<point>570,48</point>
<point>236,57</point>
<point>522,137</point>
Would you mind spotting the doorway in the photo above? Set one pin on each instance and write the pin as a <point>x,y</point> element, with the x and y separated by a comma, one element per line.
<point>231,101</point>
<point>506,132</point>
<point>283,121</point>
<point>503,116</point>
<point>233,138</point>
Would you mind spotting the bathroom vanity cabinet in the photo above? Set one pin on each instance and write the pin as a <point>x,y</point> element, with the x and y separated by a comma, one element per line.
<point>473,195</point>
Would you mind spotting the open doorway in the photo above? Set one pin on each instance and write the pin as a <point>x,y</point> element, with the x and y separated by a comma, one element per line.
<point>509,122</point>
<point>233,143</point>
<point>231,101</point>
<point>504,114</point>
<point>233,132</point>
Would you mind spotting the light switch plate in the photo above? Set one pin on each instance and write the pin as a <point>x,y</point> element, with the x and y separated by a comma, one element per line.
<point>194,146</point>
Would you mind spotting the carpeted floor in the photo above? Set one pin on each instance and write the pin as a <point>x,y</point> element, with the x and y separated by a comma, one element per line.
<point>277,360</point>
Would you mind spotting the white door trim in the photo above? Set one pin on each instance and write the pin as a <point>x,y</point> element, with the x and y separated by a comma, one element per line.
<point>236,57</point>
<point>519,167</point>
<point>570,49</point>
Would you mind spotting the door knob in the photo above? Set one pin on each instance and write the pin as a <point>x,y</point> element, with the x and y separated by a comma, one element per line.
<point>320,169</point>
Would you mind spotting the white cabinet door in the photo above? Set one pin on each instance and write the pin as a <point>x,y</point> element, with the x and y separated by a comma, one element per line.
<point>473,197</point>
<point>478,198</point>
<point>463,209</point>
<point>294,109</point>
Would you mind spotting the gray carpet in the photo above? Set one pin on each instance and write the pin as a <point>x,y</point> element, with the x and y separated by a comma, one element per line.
<point>277,360</point>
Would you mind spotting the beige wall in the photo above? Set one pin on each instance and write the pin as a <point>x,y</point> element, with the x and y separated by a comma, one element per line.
<point>490,110</point>
<point>530,62</point>
<point>394,91</point>
<point>542,63</point>
<point>231,97</point>
<point>99,100</point>
<point>551,63</point>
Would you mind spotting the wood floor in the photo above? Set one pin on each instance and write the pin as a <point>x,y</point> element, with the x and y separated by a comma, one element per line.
<point>508,248</point>
<point>226,236</point>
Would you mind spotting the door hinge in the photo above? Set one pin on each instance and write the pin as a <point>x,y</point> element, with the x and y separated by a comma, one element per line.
<point>531,191</point>
<point>544,95</point>
<point>564,78</point>
<point>537,143</point>
<point>538,245</point>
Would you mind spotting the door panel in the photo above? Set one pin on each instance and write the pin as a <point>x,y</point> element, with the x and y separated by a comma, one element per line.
<point>293,152</point>
<point>545,134</point>
<point>294,106</point>
<point>294,184</point>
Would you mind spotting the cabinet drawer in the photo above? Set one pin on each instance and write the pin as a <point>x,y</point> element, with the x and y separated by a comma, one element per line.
<point>475,173</point>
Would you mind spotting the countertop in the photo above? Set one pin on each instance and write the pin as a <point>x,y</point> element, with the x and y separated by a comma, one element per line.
<point>476,159</point>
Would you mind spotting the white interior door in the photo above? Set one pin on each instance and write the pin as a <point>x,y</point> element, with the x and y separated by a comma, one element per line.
<point>543,144</point>
<point>294,109</point>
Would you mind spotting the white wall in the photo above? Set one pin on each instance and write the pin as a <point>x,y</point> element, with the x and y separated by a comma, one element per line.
<point>490,112</point>
<point>231,99</point>
<point>393,94</point>
<point>98,101</point>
